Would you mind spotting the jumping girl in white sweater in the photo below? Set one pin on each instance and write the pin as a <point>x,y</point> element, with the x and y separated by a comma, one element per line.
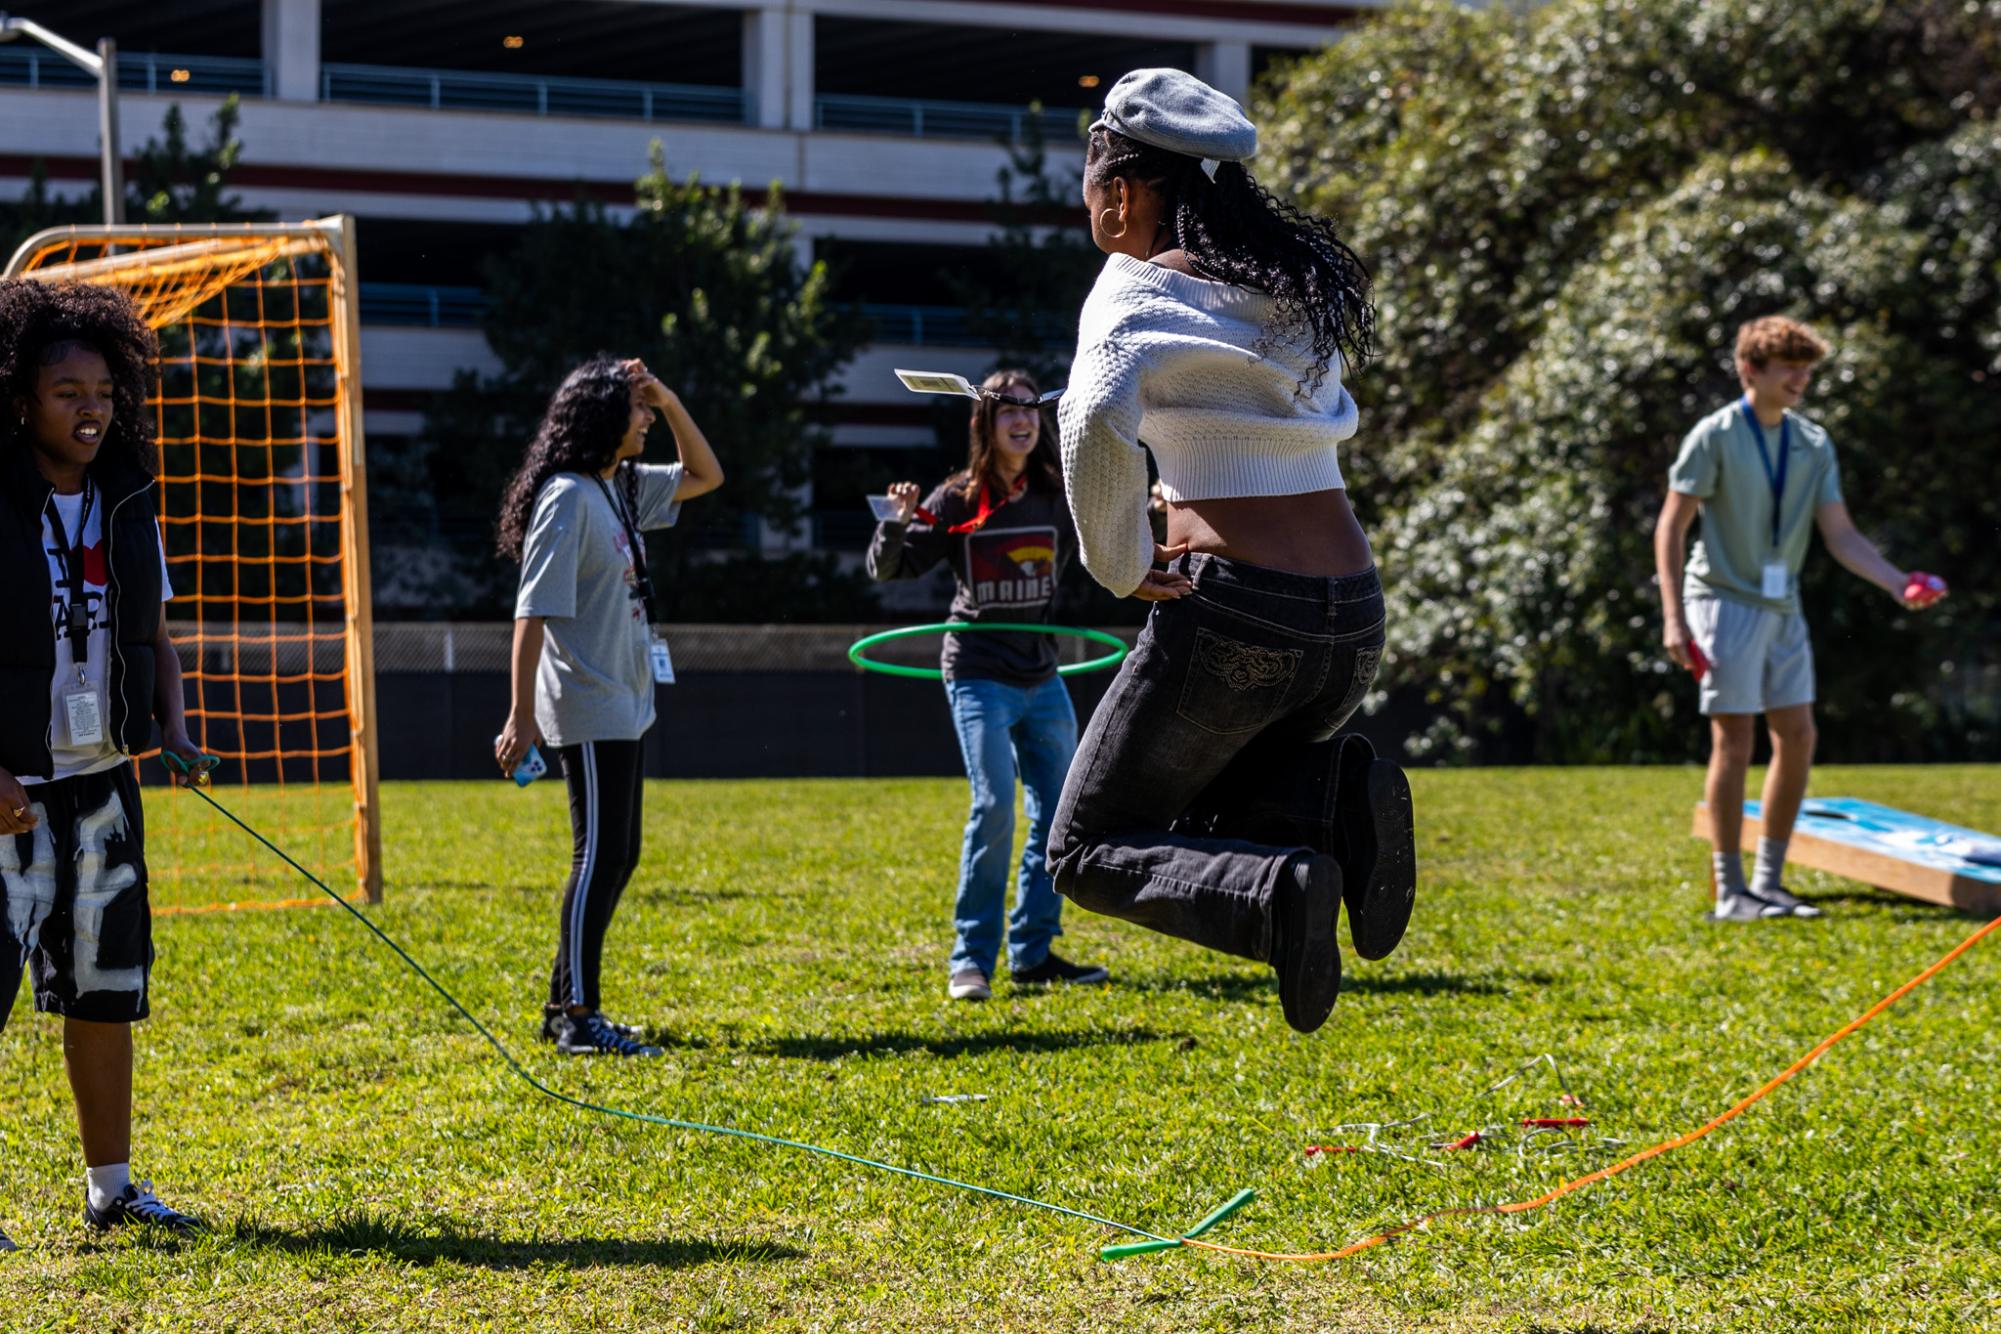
<point>1211,797</point>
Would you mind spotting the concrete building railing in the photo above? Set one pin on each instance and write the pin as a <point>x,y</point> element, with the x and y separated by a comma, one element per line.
<point>138,72</point>
<point>920,118</point>
<point>466,90</point>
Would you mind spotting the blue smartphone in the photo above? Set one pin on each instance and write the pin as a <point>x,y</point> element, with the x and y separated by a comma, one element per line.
<point>532,766</point>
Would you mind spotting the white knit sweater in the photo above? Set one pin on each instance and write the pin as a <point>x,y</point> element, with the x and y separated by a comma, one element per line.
<point>1167,357</point>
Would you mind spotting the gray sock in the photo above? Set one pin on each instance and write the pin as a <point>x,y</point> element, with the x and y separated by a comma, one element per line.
<point>1729,873</point>
<point>1771,861</point>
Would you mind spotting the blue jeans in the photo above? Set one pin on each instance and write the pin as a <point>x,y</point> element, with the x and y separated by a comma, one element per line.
<point>1004,729</point>
<point>1224,714</point>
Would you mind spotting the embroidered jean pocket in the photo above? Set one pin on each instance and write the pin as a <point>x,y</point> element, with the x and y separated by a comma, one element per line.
<point>1231,686</point>
<point>1360,678</point>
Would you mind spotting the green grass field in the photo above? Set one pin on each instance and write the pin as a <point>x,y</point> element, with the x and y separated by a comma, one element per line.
<point>371,1166</point>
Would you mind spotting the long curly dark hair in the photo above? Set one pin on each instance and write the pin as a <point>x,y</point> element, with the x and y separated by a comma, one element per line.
<point>38,319</point>
<point>1235,231</point>
<point>581,428</point>
<point>1044,468</point>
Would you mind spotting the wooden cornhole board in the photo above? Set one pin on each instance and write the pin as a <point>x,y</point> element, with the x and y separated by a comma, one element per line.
<point>1885,847</point>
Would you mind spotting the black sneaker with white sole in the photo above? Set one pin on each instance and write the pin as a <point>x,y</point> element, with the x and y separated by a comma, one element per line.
<point>1054,968</point>
<point>594,1035</point>
<point>1379,861</point>
<point>138,1205</point>
<point>552,1026</point>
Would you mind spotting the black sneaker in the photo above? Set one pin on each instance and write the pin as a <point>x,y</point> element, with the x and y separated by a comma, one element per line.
<point>7,1243</point>
<point>1379,865</point>
<point>1055,968</point>
<point>1308,957</point>
<point>593,1035</point>
<point>552,1026</point>
<point>138,1205</point>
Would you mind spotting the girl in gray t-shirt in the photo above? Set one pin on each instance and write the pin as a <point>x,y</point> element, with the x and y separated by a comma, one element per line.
<point>584,651</point>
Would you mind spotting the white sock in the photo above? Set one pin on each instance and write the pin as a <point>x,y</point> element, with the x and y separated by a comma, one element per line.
<point>1729,874</point>
<point>106,1183</point>
<point>1771,861</point>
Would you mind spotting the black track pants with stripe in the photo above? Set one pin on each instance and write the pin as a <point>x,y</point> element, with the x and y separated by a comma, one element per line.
<point>604,778</point>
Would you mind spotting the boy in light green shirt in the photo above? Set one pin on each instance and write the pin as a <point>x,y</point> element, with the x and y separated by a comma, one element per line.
<point>1762,477</point>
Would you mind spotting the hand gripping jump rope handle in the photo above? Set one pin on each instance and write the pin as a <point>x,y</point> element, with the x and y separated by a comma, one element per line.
<point>196,773</point>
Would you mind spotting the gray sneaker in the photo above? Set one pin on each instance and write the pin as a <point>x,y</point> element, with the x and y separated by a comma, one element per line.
<point>1794,905</point>
<point>969,984</point>
<point>1745,907</point>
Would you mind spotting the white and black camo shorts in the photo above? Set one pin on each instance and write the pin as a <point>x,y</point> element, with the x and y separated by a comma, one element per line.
<point>73,889</point>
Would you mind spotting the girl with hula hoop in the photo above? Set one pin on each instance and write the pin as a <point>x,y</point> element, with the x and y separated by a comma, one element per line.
<point>585,658</point>
<point>1212,798</point>
<point>1002,525</point>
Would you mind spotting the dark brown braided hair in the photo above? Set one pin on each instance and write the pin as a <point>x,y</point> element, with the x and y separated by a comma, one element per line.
<point>1235,231</point>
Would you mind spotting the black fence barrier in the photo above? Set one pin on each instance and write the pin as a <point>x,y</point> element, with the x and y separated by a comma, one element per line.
<point>749,702</point>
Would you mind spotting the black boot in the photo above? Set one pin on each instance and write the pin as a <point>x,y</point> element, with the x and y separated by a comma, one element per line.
<point>1306,954</point>
<point>1375,821</point>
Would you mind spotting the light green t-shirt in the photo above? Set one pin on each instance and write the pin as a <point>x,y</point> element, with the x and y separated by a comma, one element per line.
<point>1720,465</point>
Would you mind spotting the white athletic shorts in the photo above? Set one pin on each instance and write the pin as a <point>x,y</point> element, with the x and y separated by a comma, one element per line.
<point>1759,660</point>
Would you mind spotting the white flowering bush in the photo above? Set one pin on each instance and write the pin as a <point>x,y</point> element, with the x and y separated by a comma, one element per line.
<point>1569,211</point>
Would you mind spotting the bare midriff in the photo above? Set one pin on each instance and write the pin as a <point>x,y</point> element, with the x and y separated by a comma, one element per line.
<point>1315,533</point>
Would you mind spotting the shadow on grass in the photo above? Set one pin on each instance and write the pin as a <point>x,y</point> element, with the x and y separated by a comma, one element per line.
<point>448,1241</point>
<point>834,1047</point>
<point>1356,980</point>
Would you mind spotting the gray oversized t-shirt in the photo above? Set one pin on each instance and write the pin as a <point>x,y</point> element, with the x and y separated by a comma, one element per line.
<point>1719,464</point>
<point>595,682</point>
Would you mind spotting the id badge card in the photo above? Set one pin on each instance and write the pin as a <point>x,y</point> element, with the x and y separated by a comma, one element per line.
<point>662,661</point>
<point>85,718</point>
<point>1777,582</point>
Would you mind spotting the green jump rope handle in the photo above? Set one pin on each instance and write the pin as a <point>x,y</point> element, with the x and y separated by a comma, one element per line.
<point>1221,1212</point>
<point>176,764</point>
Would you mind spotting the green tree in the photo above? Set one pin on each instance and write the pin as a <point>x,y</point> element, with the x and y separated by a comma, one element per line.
<point>1569,209</point>
<point>708,289</point>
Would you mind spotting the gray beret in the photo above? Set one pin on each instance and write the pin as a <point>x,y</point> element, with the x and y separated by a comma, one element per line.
<point>1174,110</point>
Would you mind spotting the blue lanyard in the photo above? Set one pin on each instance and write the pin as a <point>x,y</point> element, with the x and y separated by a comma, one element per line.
<point>1776,475</point>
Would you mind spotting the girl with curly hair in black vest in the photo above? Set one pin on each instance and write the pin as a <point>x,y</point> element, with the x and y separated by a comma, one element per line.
<point>86,670</point>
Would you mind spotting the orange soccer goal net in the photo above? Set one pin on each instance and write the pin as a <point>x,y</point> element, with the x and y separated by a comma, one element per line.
<point>262,507</point>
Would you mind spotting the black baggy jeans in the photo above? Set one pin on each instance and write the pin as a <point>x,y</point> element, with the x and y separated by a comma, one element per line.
<point>1223,715</point>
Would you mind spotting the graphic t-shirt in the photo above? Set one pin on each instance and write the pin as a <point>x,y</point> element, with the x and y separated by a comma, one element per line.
<point>595,681</point>
<point>71,759</point>
<point>1008,570</point>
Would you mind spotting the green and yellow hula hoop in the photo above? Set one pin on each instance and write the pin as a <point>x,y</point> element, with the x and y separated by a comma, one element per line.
<point>858,650</point>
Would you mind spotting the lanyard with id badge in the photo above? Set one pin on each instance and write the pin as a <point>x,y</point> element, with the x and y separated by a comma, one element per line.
<point>83,711</point>
<point>1775,582</point>
<point>657,656</point>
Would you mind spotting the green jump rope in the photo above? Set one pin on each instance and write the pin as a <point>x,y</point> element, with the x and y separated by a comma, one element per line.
<point>197,775</point>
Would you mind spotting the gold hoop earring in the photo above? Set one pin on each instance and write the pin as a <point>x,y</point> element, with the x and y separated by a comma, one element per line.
<point>1109,234</point>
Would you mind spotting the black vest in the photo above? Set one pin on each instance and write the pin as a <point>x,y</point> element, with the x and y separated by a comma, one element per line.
<point>27,625</point>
